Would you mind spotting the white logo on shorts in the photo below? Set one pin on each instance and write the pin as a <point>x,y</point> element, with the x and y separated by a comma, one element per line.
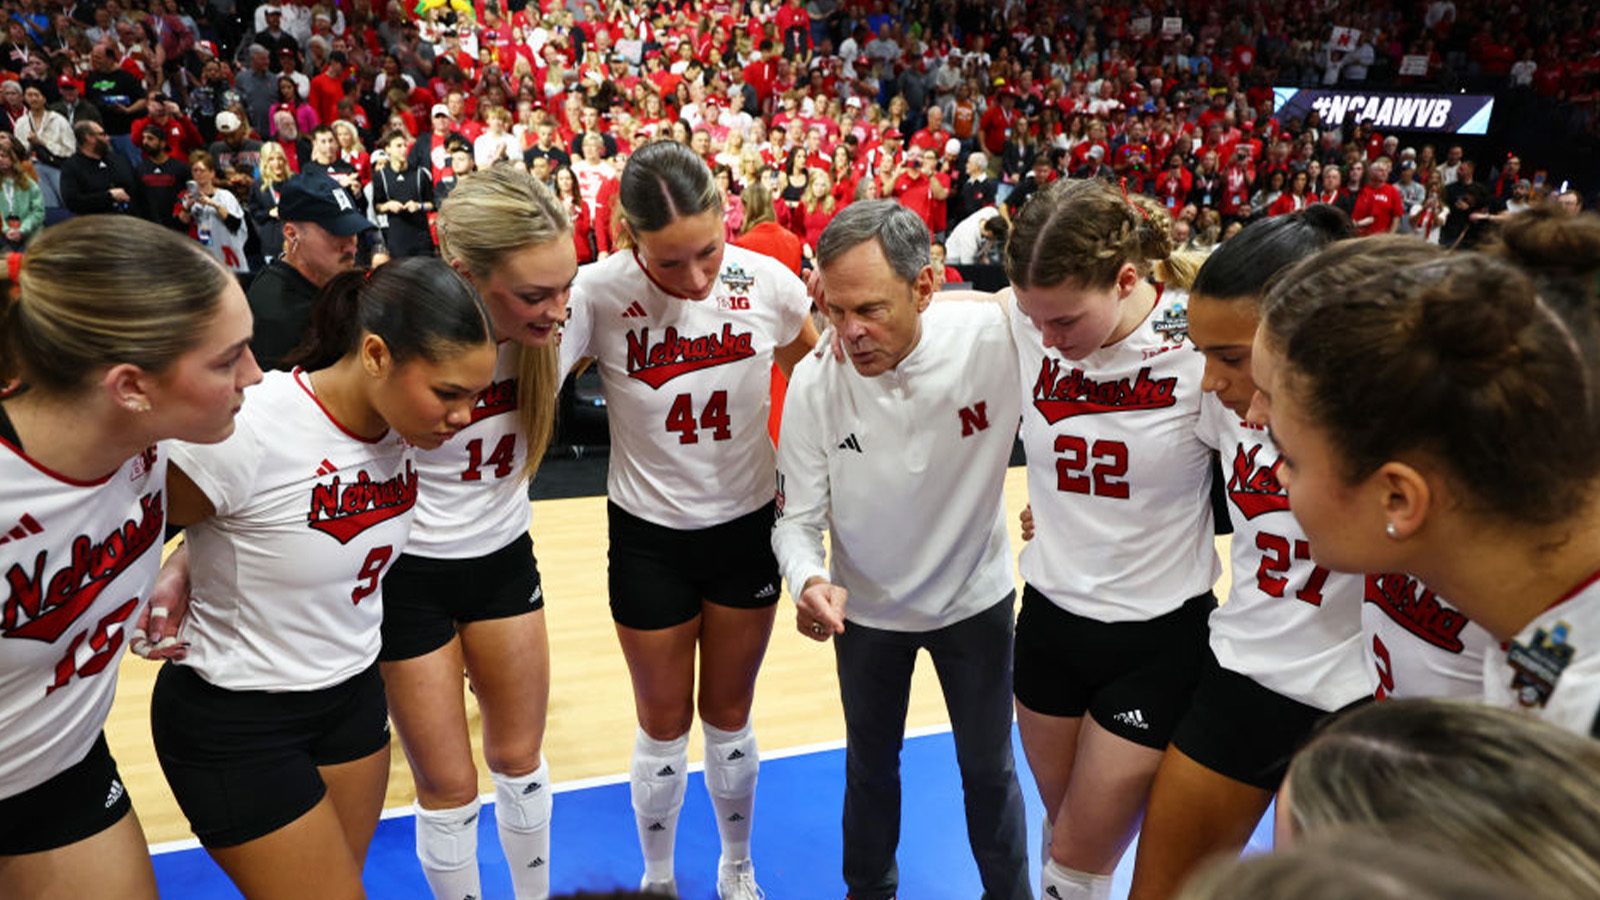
<point>771,590</point>
<point>538,592</point>
<point>115,794</point>
<point>1132,717</point>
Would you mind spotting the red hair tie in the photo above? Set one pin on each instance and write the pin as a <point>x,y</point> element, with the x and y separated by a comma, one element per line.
<point>1124,183</point>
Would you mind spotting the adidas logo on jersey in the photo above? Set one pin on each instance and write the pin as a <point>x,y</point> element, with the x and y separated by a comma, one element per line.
<point>115,794</point>
<point>1132,717</point>
<point>326,467</point>
<point>665,771</point>
<point>531,788</point>
<point>768,590</point>
<point>850,443</point>
<point>736,754</point>
<point>27,526</point>
<point>635,310</point>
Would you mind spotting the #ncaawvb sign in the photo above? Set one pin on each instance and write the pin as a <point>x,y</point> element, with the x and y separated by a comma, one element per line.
<point>1388,110</point>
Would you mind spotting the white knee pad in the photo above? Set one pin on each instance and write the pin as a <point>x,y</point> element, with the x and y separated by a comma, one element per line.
<point>1057,882</point>
<point>523,802</point>
<point>447,839</point>
<point>732,761</point>
<point>659,775</point>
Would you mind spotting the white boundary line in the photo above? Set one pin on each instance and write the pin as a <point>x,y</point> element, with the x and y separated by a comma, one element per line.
<point>579,784</point>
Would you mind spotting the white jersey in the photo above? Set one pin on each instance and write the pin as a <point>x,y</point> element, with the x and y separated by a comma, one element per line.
<point>473,499</point>
<point>79,559</point>
<point>1119,483</point>
<point>286,577</point>
<point>1419,645</point>
<point>1552,667</point>
<point>687,383</point>
<point>1289,624</point>
<point>925,443</point>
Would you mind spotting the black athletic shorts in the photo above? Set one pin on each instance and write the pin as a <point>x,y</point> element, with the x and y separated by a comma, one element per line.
<point>243,764</point>
<point>78,802</point>
<point>424,599</point>
<point>1135,678</point>
<point>1236,727</point>
<point>660,575</point>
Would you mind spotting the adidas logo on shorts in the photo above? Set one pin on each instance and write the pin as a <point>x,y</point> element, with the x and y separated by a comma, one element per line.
<point>1132,717</point>
<point>769,590</point>
<point>665,771</point>
<point>115,793</point>
<point>531,788</point>
<point>538,593</point>
<point>537,862</point>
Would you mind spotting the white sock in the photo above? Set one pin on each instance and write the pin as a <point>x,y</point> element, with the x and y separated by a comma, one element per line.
<point>447,847</point>
<point>1057,882</point>
<point>732,763</point>
<point>659,775</point>
<point>1044,840</point>
<point>522,806</point>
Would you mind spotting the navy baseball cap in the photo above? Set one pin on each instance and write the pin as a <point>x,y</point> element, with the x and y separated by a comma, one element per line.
<point>320,200</point>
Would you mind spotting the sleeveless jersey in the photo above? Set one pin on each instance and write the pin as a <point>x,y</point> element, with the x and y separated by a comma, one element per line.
<point>79,559</point>
<point>1552,667</point>
<point>687,383</point>
<point>1289,624</point>
<point>286,576</point>
<point>1118,480</point>
<point>473,499</point>
<point>1418,644</point>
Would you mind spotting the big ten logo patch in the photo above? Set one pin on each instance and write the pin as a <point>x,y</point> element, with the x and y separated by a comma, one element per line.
<point>734,302</point>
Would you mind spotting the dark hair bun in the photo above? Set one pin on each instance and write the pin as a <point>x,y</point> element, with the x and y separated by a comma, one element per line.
<point>1474,340</point>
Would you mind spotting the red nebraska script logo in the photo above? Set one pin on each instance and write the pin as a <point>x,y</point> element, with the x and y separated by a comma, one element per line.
<point>42,608</point>
<point>1255,489</point>
<point>344,510</point>
<point>1058,396</point>
<point>1417,609</point>
<point>673,355</point>
<point>497,398</point>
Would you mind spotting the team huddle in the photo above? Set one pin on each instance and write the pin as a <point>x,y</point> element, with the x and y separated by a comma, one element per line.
<point>356,549</point>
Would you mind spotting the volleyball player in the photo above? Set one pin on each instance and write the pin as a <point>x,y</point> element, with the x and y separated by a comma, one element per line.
<point>107,362</point>
<point>1436,418</point>
<point>466,592</point>
<point>1112,633</point>
<point>684,331</point>
<point>273,731</point>
<point>1489,787</point>
<point>1286,647</point>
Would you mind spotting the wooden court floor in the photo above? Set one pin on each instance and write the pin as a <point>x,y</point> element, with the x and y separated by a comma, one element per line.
<point>591,724</point>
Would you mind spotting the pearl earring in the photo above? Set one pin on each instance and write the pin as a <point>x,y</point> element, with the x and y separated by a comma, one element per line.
<point>1391,531</point>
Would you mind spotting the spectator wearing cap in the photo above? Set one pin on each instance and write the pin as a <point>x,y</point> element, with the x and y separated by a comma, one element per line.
<point>258,85</point>
<point>327,89</point>
<point>234,148</point>
<point>164,115</point>
<point>161,178</point>
<point>320,230</point>
<point>431,152</point>
<point>95,179</point>
<point>118,95</point>
<point>920,186</point>
<point>73,106</point>
<point>272,34</point>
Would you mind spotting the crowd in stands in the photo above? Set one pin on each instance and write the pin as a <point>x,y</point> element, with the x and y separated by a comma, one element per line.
<point>193,114</point>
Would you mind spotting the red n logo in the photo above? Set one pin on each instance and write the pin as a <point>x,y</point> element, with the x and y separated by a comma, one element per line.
<point>974,418</point>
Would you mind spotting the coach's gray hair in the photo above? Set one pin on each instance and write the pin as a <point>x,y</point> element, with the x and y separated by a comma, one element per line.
<point>901,234</point>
